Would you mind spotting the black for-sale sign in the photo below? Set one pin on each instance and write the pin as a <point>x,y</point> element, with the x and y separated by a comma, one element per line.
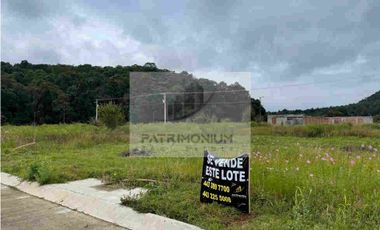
<point>226,181</point>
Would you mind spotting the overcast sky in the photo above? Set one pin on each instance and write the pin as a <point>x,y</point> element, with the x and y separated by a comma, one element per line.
<point>285,45</point>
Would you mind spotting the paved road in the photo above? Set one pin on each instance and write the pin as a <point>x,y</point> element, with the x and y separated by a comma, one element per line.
<point>22,211</point>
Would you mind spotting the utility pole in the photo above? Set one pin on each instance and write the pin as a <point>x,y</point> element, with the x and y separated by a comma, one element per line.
<point>260,107</point>
<point>164,101</point>
<point>96,111</point>
<point>64,114</point>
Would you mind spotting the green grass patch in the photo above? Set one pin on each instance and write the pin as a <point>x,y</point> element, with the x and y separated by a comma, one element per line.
<point>320,177</point>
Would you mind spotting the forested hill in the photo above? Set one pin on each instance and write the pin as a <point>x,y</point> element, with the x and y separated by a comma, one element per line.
<point>65,93</point>
<point>365,107</point>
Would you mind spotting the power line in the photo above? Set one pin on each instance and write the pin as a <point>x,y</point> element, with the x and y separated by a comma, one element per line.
<point>232,91</point>
<point>198,103</point>
<point>303,84</point>
<point>173,93</point>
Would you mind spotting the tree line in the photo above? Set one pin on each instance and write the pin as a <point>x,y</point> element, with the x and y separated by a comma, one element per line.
<point>369,106</point>
<point>48,94</point>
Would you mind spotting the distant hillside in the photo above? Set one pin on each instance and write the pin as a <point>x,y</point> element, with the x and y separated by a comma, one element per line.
<point>365,107</point>
<point>66,93</point>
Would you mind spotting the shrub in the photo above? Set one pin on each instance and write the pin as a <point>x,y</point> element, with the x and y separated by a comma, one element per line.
<point>40,174</point>
<point>111,115</point>
<point>376,119</point>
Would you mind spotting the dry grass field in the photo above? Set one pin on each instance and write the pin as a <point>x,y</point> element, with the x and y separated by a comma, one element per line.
<point>320,177</point>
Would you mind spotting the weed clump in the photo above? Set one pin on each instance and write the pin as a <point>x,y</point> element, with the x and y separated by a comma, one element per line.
<point>39,173</point>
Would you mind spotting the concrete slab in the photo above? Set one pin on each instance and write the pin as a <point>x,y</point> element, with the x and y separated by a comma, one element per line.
<point>85,196</point>
<point>35,213</point>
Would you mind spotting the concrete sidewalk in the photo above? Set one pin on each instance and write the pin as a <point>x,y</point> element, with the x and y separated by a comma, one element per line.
<point>88,196</point>
<point>22,211</point>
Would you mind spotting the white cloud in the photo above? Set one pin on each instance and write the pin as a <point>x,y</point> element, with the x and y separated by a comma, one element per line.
<point>304,41</point>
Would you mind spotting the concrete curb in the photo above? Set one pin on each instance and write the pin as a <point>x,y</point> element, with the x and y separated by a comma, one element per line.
<point>99,208</point>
